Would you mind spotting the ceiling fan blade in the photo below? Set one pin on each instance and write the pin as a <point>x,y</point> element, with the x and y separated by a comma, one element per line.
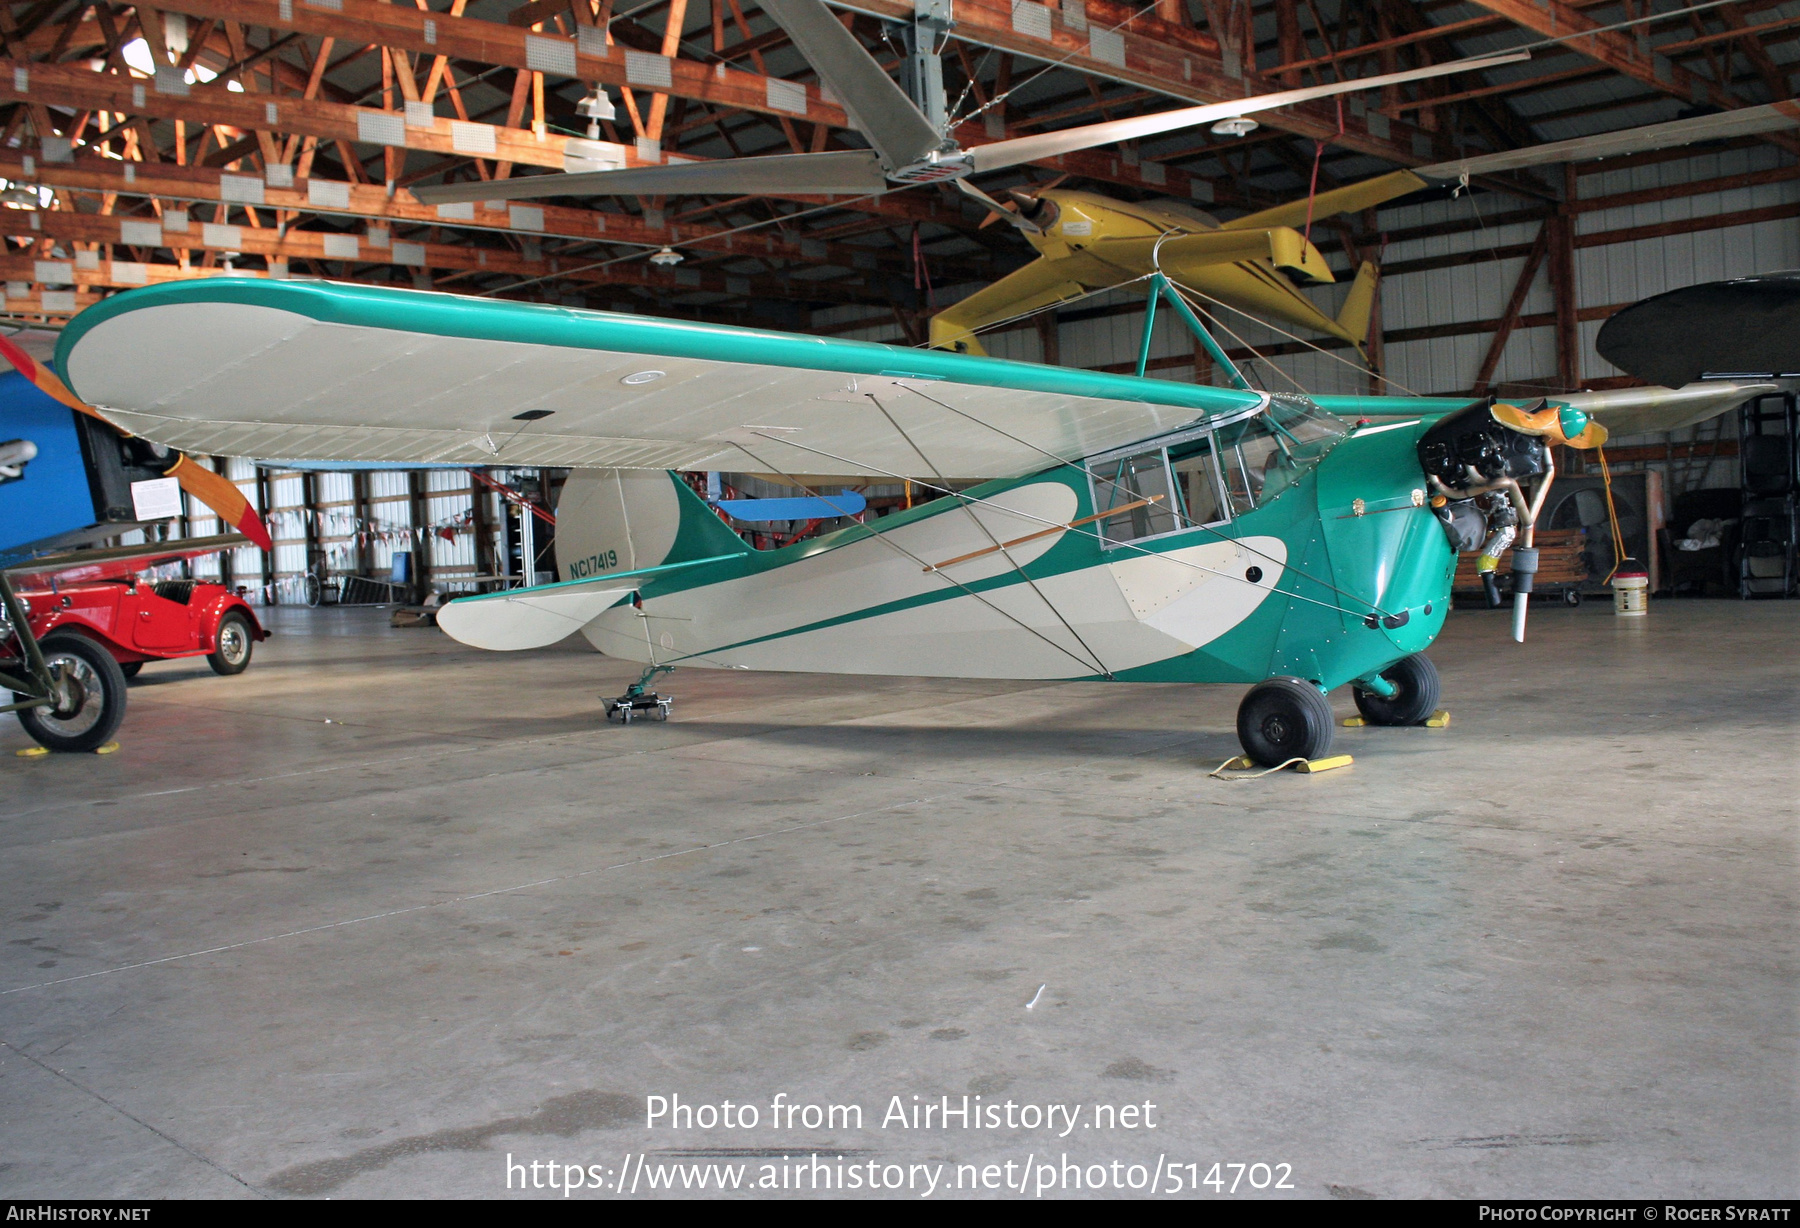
<point>1743,122</point>
<point>877,106</point>
<point>839,172</point>
<point>1051,144</point>
<point>997,212</point>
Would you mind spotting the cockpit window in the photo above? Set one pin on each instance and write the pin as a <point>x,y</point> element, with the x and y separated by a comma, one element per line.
<point>1203,477</point>
<point>1139,487</point>
<point>1197,482</point>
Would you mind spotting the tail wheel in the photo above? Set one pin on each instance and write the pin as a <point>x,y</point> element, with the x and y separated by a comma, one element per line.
<point>1415,695</point>
<point>235,642</point>
<point>89,693</point>
<point>1283,719</point>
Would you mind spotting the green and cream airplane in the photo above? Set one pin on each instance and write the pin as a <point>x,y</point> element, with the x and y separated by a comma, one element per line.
<point>1127,528</point>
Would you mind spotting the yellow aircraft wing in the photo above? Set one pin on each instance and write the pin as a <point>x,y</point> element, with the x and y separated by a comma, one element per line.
<point>1282,246</point>
<point>1042,283</point>
<point>1349,199</point>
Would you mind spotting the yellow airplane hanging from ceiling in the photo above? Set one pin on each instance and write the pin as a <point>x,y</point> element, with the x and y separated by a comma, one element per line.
<point>1261,263</point>
<point>1256,264</point>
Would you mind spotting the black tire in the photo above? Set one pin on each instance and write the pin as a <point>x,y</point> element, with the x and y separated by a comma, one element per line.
<point>1283,719</point>
<point>130,668</point>
<point>235,642</point>
<point>90,696</point>
<point>1415,698</point>
<point>1572,597</point>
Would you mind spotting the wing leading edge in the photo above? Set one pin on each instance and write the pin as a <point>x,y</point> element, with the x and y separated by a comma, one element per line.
<point>356,373</point>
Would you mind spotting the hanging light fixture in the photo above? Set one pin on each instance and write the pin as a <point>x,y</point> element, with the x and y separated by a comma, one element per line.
<point>596,106</point>
<point>668,257</point>
<point>1237,125</point>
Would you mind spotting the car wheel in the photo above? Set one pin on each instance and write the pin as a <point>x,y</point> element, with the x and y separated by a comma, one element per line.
<point>235,642</point>
<point>130,668</point>
<point>89,693</point>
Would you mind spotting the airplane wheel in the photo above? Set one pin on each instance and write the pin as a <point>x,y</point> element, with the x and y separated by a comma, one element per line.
<point>130,668</point>
<point>235,643</point>
<point>90,696</point>
<point>1282,719</point>
<point>1415,698</point>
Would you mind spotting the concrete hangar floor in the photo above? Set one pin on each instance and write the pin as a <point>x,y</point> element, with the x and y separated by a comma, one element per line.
<point>384,912</point>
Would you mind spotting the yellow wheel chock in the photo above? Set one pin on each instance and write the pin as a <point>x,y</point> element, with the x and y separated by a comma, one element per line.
<point>1243,763</point>
<point>1437,720</point>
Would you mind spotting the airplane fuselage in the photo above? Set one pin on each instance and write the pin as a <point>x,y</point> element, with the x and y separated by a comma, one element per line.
<point>1287,587</point>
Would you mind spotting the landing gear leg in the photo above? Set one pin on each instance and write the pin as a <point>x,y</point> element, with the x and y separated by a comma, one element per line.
<point>1283,719</point>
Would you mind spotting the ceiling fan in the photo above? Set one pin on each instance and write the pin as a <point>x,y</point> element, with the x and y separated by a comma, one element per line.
<point>907,147</point>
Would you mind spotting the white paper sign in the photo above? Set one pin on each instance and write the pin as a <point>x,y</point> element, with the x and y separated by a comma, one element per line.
<point>157,499</point>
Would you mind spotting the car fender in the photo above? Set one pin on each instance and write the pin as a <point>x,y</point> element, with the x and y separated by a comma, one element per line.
<point>216,607</point>
<point>69,622</point>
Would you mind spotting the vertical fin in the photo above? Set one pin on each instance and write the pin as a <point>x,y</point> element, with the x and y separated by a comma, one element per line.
<point>1360,305</point>
<point>626,519</point>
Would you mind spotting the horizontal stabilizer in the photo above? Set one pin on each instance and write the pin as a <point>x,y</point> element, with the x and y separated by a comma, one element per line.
<point>536,617</point>
<point>528,617</point>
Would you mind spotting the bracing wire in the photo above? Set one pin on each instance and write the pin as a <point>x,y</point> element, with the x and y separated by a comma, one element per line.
<point>793,443</point>
<point>995,541</point>
<point>1186,291</point>
<point>1235,336</point>
<point>1101,478</point>
<point>888,540</point>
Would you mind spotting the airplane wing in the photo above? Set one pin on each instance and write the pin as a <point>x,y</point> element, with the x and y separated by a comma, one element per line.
<point>1039,284</point>
<point>1751,326</point>
<point>1282,246</point>
<point>326,371</point>
<point>1351,198</point>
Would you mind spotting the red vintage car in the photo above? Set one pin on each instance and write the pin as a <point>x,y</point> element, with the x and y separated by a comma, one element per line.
<point>139,620</point>
<point>103,595</point>
<point>95,619</point>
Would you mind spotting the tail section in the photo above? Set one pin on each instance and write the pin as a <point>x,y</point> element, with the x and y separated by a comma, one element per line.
<point>1359,307</point>
<point>612,520</point>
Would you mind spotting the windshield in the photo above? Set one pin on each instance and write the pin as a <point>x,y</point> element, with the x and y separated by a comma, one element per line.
<point>1264,455</point>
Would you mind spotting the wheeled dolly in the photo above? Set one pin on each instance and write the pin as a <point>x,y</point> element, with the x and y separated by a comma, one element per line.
<point>646,705</point>
<point>637,703</point>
